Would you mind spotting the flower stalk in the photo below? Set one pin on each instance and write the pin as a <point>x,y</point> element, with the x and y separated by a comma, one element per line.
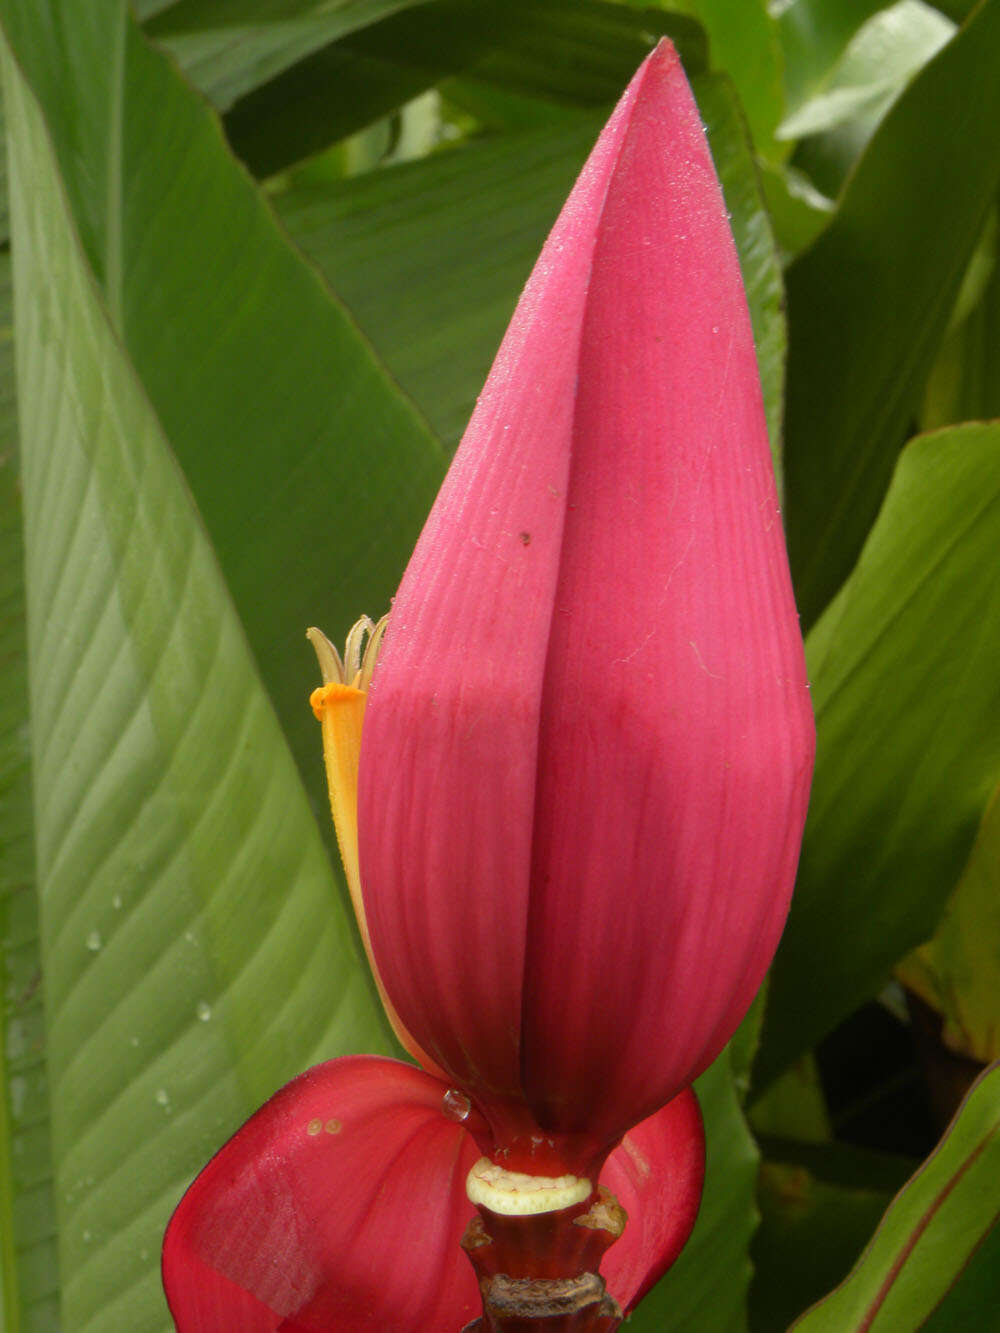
<point>540,1270</point>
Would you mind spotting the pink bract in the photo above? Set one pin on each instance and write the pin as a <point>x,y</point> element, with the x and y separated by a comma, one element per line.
<point>589,740</point>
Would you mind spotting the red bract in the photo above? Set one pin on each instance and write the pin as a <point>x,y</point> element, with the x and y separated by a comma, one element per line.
<point>340,1207</point>
<point>583,778</point>
<point>589,740</point>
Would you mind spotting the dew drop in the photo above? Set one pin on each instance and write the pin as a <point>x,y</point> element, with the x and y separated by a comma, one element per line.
<point>204,1011</point>
<point>456,1105</point>
<point>116,902</point>
<point>162,1098</point>
<point>314,1127</point>
<point>94,941</point>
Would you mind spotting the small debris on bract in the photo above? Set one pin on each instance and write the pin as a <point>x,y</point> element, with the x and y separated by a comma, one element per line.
<point>456,1105</point>
<point>94,941</point>
<point>204,1011</point>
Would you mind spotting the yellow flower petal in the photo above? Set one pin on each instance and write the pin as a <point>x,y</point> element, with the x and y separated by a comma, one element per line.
<point>339,706</point>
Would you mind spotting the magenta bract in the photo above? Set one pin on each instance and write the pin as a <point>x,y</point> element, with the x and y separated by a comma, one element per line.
<point>589,741</point>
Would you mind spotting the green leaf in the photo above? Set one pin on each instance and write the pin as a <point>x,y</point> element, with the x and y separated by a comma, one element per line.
<point>976,1291</point>
<point>707,1287</point>
<point>579,55</point>
<point>811,1232</point>
<point>841,117</point>
<point>958,971</point>
<point>964,383</point>
<point>404,247</point>
<point>814,35</point>
<point>879,61</point>
<point>228,49</point>
<point>196,952</point>
<point>907,697</point>
<point>312,472</point>
<point>4,219</point>
<point>29,1297</point>
<point>959,10</point>
<point>797,210</point>
<point>930,1231</point>
<point>733,156</point>
<point>869,301</point>
<point>794,1106</point>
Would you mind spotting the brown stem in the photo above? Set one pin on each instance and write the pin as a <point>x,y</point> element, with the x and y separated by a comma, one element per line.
<point>539,1274</point>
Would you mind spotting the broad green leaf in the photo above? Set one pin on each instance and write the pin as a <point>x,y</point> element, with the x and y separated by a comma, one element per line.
<point>959,10</point>
<point>794,1106</point>
<point>195,949</point>
<point>976,1292</point>
<point>744,1043</point>
<point>797,210</point>
<point>843,115</point>
<point>907,699</point>
<point>879,61</point>
<point>707,1287</point>
<point>228,49</point>
<point>404,248</point>
<point>814,35</point>
<point>958,971</point>
<point>29,1300</point>
<point>579,55</point>
<point>964,383</point>
<point>4,219</point>
<point>869,301</point>
<point>147,9</point>
<point>312,472</point>
<point>811,1232</point>
<point>734,162</point>
<point>930,1231</point>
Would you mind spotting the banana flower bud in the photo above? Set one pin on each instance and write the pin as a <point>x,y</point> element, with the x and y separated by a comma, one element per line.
<point>584,769</point>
